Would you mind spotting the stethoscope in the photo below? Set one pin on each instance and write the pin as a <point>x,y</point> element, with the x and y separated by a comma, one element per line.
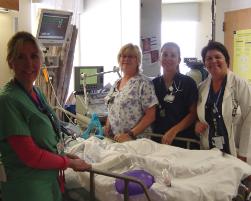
<point>169,97</point>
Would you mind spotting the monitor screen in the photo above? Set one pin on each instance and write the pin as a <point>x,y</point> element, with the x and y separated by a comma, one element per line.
<point>53,26</point>
<point>93,83</point>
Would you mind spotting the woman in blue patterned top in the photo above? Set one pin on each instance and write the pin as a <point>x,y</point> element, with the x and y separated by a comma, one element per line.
<point>131,101</point>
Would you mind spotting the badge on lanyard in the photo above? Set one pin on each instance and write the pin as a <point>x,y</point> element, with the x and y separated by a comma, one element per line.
<point>218,142</point>
<point>162,113</point>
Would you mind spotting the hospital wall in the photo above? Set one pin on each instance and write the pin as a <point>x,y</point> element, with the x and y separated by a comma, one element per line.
<point>7,22</point>
<point>24,23</point>
<point>10,23</point>
<point>109,24</point>
<point>199,12</point>
<point>224,6</point>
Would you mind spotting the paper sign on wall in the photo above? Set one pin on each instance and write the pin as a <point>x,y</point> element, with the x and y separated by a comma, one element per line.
<point>150,50</point>
<point>242,54</point>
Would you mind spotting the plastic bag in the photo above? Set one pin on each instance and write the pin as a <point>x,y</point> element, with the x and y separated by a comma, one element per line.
<point>94,128</point>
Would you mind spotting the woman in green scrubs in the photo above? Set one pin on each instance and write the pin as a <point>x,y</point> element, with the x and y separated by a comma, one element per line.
<point>30,139</point>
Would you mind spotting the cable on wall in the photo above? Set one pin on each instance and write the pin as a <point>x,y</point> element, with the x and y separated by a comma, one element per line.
<point>213,10</point>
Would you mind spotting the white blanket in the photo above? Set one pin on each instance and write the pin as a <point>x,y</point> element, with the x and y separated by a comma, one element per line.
<point>196,175</point>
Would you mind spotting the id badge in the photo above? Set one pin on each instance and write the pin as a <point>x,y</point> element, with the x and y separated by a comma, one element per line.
<point>60,147</point>
<point>162,113</point>
<point>169,98</point>
<point>218,142</point>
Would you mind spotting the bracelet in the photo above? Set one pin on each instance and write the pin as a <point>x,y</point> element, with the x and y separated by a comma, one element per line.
<point>131,134</point>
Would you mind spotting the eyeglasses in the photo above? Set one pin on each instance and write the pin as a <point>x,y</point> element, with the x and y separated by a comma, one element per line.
<point>127,56</point>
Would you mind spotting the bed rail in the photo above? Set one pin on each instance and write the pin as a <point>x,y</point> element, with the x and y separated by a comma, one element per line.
<point>187,140</point>
<point>126,179</point>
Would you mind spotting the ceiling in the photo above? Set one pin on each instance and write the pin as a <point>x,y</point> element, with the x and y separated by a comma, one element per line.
<point>183,1</point>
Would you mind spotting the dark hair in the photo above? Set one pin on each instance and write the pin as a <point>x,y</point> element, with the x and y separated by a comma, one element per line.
<point>213,45</point>
<point>171,44</point>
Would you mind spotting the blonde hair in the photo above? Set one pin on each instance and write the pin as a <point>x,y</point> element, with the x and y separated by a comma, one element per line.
<point>18,41</point>
<point>131,49</point>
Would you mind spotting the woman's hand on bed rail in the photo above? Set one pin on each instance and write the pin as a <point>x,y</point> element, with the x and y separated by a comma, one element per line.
<point>242,158</point>
<point>200,127</point>
<point>169,136</point>
<point>122,137</point>
<point>77,164</point>
<point>72,156</point>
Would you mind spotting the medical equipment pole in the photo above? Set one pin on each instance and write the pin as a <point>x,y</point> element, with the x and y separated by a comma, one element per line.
<point>85,120</point>
<point>213,10</point>
<point>84,76</point>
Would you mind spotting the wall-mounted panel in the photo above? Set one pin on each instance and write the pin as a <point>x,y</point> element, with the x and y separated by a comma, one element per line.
<point>235,21</point>
<point>10,4</point>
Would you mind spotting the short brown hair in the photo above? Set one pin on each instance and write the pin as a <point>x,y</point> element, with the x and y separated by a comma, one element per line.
<point>213,45</point>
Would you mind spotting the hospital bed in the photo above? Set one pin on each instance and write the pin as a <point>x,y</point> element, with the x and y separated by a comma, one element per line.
<point>91,196</point>
<point>204,175</point>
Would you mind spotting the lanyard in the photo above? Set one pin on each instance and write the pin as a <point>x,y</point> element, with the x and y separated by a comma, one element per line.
<point>214,109</point>
<point>218,97</point>
<point>42,107</point>
<point>215,100</point>
<point>218,136</point>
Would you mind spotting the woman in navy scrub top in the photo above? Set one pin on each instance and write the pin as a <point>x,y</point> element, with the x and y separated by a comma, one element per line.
<point>177,95</point>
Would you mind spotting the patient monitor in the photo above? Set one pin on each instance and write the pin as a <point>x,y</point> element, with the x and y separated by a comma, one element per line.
<point>54,30</point>
<point>92,83</point>
<point>53,27</point>
<point>87,85</point>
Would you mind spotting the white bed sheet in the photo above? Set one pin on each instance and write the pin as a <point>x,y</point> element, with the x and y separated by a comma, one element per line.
<point>196,175</point>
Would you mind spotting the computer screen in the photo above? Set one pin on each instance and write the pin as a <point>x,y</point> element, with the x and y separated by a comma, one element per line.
<point>53,26</point>
<point>93,83</point>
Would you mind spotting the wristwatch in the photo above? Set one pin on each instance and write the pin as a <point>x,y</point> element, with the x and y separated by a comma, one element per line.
<point>131,134</point>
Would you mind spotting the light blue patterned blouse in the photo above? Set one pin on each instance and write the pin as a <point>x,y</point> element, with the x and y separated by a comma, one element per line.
<point>127,107</point>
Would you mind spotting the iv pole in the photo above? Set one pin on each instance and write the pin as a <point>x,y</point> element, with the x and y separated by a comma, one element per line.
<point>213,9</point>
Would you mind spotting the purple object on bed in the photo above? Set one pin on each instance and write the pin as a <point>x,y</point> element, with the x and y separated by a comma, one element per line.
<point>135,188</point>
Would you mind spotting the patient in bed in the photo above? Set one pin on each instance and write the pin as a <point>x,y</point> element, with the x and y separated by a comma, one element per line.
<point>195,175</point>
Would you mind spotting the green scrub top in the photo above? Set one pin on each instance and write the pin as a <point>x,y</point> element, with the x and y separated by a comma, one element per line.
<point>20,116</point>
